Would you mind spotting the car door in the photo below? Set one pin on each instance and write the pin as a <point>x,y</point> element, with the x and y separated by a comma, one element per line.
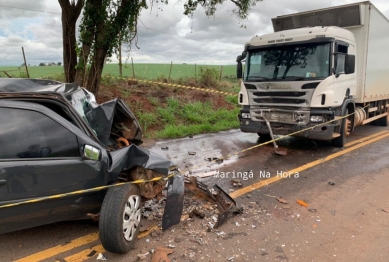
<point>40,155</point>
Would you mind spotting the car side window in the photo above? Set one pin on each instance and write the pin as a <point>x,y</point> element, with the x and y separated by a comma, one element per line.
<point>30,134</point>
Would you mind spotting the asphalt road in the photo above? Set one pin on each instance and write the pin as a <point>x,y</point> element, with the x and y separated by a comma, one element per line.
<point>346,191</point>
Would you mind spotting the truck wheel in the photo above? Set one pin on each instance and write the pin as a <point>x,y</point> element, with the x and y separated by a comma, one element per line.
<point>345,129</point>
<point>120,218</point>
<point>264,137</point>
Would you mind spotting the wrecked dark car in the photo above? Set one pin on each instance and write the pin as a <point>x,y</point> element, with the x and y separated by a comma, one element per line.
<point>55,139</point>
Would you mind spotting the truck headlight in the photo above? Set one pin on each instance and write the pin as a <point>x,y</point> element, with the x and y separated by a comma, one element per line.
<point>317,119</point>
<point>246,115</point>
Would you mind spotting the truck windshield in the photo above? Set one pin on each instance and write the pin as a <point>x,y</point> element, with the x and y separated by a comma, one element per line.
<point>297,62</point>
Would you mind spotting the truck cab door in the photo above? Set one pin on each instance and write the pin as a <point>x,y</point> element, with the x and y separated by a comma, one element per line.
<point>344,84</point>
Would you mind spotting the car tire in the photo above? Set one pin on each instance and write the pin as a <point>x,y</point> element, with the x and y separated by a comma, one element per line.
<point>120,218</point>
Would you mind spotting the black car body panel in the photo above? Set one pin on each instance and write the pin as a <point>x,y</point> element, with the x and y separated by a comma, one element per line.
<point>44,128</point>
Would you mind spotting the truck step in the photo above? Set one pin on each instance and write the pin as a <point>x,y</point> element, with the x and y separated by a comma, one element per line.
<point>335,135</point>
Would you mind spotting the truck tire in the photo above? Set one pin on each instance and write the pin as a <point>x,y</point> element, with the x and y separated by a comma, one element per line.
<point>264,137</point>
<point>341,140</point>
<point>120,218</point>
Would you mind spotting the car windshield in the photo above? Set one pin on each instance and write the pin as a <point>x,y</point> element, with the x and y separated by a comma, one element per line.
<point>292,62</point>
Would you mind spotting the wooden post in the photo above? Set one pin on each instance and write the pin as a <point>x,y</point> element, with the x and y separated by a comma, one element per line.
<point>195,74</point>
<point>133,70</point>
<point>221,73</point>
<point>25,63</point>
<point>170,72</point>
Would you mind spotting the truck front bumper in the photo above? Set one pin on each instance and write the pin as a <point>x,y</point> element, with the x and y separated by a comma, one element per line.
<point>321,132</point>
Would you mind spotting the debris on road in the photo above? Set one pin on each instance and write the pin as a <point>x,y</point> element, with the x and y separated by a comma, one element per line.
<point>302,203</point>
<point>386,211</point>
<point>331,183</point>
<point>101,257</point>
<point>161,254</point>
<point>191,153</point>
<point>279,199</point>
<point>142,256</point>
<point>218,160</point>
<point>236,183</point>
<point>212,173</point>
<point>165,148</point>
<point>312,210</point>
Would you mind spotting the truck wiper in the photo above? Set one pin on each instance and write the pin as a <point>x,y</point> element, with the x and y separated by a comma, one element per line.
<point>295,78</point>
<point>258,78</point>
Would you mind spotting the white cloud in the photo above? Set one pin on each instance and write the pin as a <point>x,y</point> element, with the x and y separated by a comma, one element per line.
<point>165,34</point>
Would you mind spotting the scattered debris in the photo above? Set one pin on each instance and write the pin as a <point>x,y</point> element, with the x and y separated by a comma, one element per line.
<point>231,259</point>
<point>161,254</point>
<point>386,211</point>
<point>312,210</point>
<point>142,256</point>
<point>302,203</point>
<point>165,148</point>
<point>171,246</point>
<point>197,213</point>
<point>318,220</point>
<point>101,257</point>
<point>236,183</point>
<point>279,199</point>
<point>191,153</point>
<point>331,183</point>
<point>212,173</point>
<point>218,160</point>
<point>286,207</point>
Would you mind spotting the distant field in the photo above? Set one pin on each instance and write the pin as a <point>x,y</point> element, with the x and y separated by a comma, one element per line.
<point>148,71</point>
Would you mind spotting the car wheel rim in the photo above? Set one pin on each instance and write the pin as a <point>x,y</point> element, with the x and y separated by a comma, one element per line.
<point>131,217</point>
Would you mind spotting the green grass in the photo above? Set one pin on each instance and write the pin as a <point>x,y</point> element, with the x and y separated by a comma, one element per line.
<point>195,118</point>
<point>144,71</point>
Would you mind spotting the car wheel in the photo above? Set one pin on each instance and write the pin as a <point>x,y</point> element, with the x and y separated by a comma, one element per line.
<point>120,218</point>
<point>345,130</point>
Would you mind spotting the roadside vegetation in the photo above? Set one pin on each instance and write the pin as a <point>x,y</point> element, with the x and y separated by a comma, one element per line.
<point>169,112</point>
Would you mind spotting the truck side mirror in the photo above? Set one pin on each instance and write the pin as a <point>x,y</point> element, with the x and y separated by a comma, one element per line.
<point>239,70</point>
<point>349,64</point>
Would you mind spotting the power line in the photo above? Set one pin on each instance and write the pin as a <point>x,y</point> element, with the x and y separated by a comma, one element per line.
<point>26,9</point>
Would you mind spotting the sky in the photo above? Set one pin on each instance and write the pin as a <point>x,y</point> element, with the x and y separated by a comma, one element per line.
<point>165,34</point>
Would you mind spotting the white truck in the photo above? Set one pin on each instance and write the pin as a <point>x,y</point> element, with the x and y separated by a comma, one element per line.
<point>318,66</point>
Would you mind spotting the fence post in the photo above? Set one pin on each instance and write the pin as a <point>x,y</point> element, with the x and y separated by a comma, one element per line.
<point>170,72</point>
<point>221,73</point>
<point>195,73</point>
<point>133,70</point>
<point>25,63</point>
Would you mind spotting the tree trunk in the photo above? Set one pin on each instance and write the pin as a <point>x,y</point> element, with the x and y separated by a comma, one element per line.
<point>94,76</point>
<point>70,13</point>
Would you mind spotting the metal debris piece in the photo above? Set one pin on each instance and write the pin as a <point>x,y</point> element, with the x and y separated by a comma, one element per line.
<point>165,148</point>
<point>331,183</point>
<point>192,153</point>
<point>312,210</point>
<point>174,202</point>
<point>218,160</point>
<point>277,150</point>
<point>386,211</point>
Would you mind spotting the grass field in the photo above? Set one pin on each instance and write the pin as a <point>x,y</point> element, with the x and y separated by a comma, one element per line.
<point>144,71</point>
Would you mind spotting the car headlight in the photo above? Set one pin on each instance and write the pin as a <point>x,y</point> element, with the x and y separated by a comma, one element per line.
<point>246,115</point>
<point>318,119</point>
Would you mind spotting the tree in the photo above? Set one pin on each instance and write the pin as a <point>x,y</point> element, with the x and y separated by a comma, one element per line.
<point>105,25</point>
<point>42,64</point>
<point>70,12</point>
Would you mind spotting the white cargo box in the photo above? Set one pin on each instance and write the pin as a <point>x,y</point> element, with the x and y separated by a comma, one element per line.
<point>371,30</point>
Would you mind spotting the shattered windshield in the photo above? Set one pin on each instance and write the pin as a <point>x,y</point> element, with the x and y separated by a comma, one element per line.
<point>285,62</point>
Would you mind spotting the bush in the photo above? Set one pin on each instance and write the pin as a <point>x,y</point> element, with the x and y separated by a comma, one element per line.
<point>209,76</point>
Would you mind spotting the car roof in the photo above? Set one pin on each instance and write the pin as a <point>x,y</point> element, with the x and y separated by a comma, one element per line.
<point>26,85</point>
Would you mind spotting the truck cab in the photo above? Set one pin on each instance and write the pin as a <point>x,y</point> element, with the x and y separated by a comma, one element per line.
<point>308,78</point>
